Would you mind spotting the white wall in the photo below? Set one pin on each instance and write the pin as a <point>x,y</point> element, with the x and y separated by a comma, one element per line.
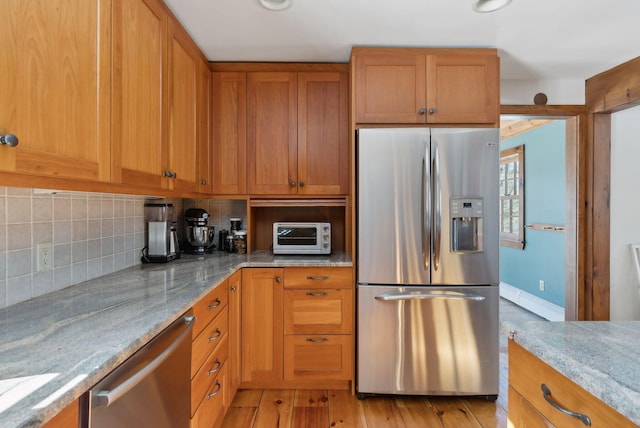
<point>625,213</point>
<point>521,92</point>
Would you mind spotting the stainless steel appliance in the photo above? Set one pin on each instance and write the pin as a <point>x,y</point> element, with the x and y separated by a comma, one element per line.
<point>301,238</point>
<point>427,271</point>
<point>150,389</point>
<point>162,237</point>
<point>199,233</point>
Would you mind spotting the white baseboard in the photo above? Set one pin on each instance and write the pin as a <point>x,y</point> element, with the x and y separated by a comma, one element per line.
<point>530,302</point>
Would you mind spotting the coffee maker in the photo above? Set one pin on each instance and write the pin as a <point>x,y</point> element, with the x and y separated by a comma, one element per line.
<point>199,234</point>
<point>162,238</point>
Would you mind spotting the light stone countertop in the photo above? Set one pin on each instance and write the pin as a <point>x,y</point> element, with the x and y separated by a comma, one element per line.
<point>603,357</point>
<point>57,346</point>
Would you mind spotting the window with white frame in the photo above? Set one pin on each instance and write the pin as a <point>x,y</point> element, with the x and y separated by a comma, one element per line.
<point>512,197</point>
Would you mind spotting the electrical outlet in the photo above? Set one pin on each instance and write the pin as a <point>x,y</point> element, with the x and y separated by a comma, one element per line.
<point>44,257</point>
<point>541,285</point>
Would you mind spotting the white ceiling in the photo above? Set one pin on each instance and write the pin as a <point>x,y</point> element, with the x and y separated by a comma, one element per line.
<point>536,39</point>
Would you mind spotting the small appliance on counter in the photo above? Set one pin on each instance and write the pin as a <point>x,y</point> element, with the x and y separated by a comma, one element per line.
<point>199,233</point>
<point>162,238</point>
<point>301,238</point>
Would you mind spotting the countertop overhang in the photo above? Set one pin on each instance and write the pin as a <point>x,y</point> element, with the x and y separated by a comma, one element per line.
<point>602,357</point>
<point>55,347</point>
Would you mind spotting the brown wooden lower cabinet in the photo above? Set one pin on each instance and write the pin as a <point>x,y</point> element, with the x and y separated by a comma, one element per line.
<point>67,418</point>
<point>528,407</point>
<point>318,357</point>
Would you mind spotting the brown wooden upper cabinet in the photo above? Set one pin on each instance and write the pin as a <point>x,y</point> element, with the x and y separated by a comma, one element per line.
<point>431,86</point>
<point>54,88</point>
<point>155,73</point>
<point>297,133</point>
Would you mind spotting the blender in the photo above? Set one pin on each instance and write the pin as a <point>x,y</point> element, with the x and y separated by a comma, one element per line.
<point>199,234</point>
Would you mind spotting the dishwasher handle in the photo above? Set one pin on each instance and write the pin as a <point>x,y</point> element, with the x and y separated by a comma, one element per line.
<point>425,295</point>
<point>105,398</point>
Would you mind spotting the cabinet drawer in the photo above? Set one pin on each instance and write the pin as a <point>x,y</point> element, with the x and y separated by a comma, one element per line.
<point>208,373</point>
<point>210,306</point>
<point>523,414</point>
<point>318,277</point>
<point>318,311</point>
<point>212,409</point>
<point>526,375</point>
<point>208,339</point>
<point>318,357</point>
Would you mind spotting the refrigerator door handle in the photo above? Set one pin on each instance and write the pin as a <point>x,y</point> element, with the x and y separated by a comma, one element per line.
<point>437,207</point>
<point>426,210</point>
<point>433,295</point>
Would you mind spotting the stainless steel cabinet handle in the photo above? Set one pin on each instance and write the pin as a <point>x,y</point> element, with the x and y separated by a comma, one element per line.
<point>318,278</point>
<point>423,295</point>
<point>174,174</point>
<point>432,110</point>
<point>105,398</point>
<point>546,393</point>
<point>9,140</point>
<point>203,182</point>
<point>320,294</point>
<point>216,337</point>
<point>302,184</point>
<point>215,305</point>
<point>422,110</point>
<point>216,369</point>
<point>214,392</point>
<point>319,340</point>
<point>234,288</point>
<point>292,184</point>
<point>278,279</point>
<point>167,174</point>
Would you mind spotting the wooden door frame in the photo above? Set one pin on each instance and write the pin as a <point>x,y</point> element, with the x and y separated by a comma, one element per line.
<point>605,93</point>
<point>575,291</point>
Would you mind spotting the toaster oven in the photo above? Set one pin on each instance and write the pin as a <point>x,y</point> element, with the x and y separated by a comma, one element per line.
<point>301,238</point>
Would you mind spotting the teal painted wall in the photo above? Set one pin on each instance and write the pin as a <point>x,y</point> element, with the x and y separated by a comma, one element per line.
<point>545,179</point>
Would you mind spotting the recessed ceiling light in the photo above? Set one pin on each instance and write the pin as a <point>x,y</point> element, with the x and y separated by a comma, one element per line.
<point>276,4</point>
<point>489,5</point>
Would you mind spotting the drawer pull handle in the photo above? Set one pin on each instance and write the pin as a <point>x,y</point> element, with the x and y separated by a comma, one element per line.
<point>216,337</point>
<point>321,294</point>
<point>234,288</point>
<point>318,278</point>
<point>216,369</point>
<point>319,340</point>
<point>216,303</point>
<point>214,392</point>
<point>546,393</point>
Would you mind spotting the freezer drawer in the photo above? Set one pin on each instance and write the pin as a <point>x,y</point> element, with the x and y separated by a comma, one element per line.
<point>428,340</point>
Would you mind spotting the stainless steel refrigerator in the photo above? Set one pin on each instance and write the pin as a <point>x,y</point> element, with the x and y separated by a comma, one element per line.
<point>427,261</point>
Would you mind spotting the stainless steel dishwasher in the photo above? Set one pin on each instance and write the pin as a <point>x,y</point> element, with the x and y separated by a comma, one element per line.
<point>151,388</point>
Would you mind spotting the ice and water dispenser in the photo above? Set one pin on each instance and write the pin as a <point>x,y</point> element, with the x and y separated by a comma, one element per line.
<point>466,225</point>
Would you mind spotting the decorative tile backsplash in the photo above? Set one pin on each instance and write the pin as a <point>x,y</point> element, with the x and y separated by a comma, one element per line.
<point>91,235</point>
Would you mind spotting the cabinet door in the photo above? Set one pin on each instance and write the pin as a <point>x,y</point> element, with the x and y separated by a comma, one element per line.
<point>262,331</point>
<point>321,357</point>
<point>390,88</point>
<point>323,133</point>
<point>462,89</point>
<point>183,58</point>
<point>235,323</point>
<point>272,133</point>
<point>138,106</point>
<point>203,117</point>
<point>54,87</point>
<point>229,127</point>
<point>318,311</point>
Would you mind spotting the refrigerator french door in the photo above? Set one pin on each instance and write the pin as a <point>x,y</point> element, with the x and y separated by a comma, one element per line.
<point>427,261</point>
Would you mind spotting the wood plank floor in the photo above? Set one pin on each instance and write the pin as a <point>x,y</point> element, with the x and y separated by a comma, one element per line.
<point>328,408</point>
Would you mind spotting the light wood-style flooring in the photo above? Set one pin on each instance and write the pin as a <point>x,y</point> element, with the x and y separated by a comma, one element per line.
<point>328,408</point>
